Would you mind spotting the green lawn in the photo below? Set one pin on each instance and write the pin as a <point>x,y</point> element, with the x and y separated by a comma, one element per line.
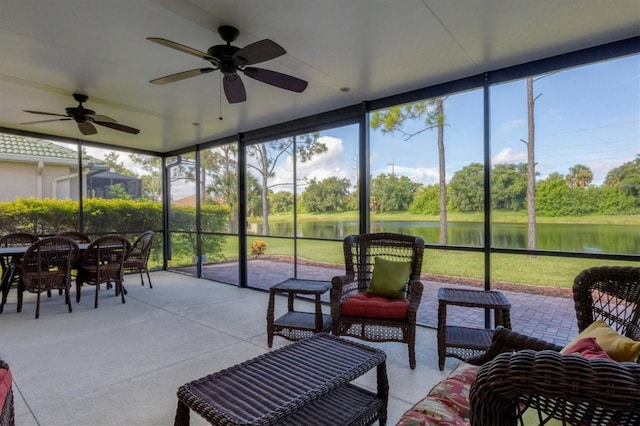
<point>507,268</point>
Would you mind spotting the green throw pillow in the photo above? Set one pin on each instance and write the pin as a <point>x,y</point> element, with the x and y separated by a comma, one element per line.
<point>389,278</point>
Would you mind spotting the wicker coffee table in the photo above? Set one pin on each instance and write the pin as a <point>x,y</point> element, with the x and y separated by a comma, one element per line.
<point>296,325</point>
<point>304,383</point>
<point>466,342</point>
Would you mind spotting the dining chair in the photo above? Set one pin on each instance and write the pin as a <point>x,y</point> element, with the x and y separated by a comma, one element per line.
<point>80,238</point>
<point>102,263</point>
<point>8,263</point>
<point>77,236</point>
<point>45,266</point>
<point>139,256</point>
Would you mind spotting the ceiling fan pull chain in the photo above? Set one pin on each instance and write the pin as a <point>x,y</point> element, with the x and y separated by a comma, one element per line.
<point>220,97</point>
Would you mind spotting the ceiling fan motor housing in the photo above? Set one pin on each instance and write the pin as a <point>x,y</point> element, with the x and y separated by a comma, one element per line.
<point>79,113</point>
<point>224,54</point>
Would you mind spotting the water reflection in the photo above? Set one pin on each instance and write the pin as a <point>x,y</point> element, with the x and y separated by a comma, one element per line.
<point>622,239</point>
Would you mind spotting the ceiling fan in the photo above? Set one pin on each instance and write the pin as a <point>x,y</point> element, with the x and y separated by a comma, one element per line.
<point>85,118</point>
<point>231,59</point>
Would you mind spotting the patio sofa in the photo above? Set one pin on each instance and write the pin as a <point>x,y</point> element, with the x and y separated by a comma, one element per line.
<point>7,417</point>
<point>532,386</point>
<point>520,380</point>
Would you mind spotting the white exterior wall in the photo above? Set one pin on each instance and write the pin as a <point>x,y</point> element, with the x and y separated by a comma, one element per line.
<point>34,180</point>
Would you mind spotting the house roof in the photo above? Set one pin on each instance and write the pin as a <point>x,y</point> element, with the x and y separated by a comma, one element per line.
<point>24,146</point>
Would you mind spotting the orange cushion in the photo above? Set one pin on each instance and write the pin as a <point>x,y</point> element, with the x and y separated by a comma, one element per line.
<point>372,306</point>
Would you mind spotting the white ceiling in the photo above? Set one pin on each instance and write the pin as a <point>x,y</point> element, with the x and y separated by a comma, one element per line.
<point>376,48</point>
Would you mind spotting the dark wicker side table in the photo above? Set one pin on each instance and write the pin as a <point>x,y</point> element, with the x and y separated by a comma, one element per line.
<point>465,342</point>
<point>305,383</point>
<point>295,325</point>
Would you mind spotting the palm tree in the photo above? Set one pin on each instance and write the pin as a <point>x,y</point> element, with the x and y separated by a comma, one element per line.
<point>580,176</point>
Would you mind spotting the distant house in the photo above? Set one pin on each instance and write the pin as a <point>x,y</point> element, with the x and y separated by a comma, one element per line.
<point>188,201</point>
<point>35,168</point>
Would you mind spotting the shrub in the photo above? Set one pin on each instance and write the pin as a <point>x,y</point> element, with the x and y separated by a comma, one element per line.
<point>258,248</point>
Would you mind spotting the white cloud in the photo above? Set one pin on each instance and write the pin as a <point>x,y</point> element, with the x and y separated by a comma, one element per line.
<point>423,175</point>
<point>506,156</point>
<point>319,167</point>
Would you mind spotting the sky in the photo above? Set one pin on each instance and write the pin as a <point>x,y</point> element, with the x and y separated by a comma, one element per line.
<point>588,115</point>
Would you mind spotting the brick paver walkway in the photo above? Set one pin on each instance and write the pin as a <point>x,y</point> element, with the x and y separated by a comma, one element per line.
<point>546,317</point>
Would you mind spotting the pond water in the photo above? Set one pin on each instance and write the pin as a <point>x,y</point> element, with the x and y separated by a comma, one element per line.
<point>618,239</point>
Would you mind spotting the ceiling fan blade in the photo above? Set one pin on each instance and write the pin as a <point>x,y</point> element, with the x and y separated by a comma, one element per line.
<point>234,89</point>
<point>182,48</point>
<point>44,113</point>
<point>98,117</point>
<point>259,51</point>
<point>87,128</point>
<point>117,126</point>
<point>47,121</point>
<point>277,79</point>
<point>181,75</point>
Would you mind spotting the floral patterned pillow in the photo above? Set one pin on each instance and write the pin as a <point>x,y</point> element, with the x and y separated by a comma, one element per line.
<point>447,402</point>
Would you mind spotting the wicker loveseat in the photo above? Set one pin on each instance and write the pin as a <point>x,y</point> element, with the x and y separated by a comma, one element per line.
<point>521,380</point>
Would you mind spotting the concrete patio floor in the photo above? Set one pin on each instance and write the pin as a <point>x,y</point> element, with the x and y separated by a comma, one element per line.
<point>121,364</point>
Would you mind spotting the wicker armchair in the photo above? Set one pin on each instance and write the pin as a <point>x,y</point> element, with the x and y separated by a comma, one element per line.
<point>519,371</point>
<point>102,263</point>
<point>8,263</point>
<point>76,236</point>
<point>46,266</point>
<point>360,252</point>
<point>79,238</point>
<point>139,256</point>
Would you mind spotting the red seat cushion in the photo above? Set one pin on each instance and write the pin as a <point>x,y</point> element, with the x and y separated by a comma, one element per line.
<point>5,385</point>
<point>372,306</point>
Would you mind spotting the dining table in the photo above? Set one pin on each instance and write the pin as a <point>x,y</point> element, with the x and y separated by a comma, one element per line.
<point>14,254</point>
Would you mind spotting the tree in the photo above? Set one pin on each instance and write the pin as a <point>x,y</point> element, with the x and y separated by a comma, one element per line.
<point>531,166</point>
<point>152,180</point>
<point>433,109</point>
<point>328,195</point>
<point>392,193</point>
<point>111,160</point>
<point>118,191</point>
<point>223,173</point>
<point>580,176</point>
<point>426,201</point>
<point>467,189</point>
<point>626,178</point>
<point>280,202</point>
<point>266,156</point>
<point>509,186</point>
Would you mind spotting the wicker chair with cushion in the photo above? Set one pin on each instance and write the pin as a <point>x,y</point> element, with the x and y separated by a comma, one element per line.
<point>139,256</point>
<point>522,380</point>
<point>378,297</point>
<point>102,263</point>
<point>7,413</point>
<point>46,266</point>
